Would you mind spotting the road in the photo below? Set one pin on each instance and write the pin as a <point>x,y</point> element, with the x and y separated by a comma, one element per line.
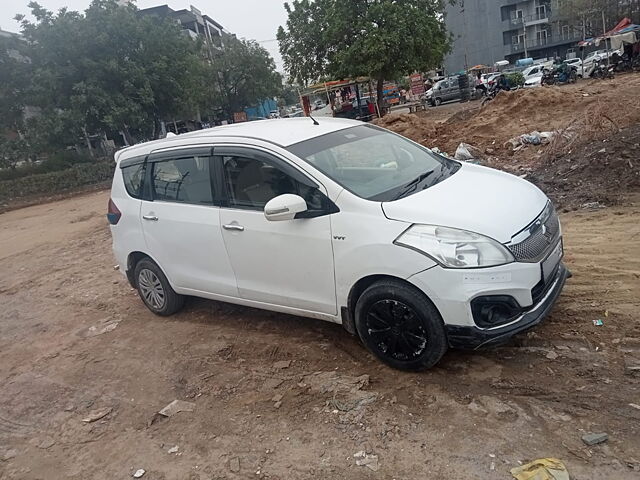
<point>283,397</point>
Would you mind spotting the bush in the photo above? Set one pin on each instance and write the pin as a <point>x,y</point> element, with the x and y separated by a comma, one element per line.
<point>516,79</point>
<point>51,183</point>
<point>56,162</point>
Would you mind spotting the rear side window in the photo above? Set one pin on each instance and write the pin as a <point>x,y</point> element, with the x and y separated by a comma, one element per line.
<point>133,177</point>
<point>183,180</point>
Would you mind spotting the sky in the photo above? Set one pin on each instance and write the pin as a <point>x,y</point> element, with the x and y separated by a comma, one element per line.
<point>252,19</point>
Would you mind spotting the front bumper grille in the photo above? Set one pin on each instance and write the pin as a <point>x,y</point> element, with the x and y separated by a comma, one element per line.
<point>540,236</point>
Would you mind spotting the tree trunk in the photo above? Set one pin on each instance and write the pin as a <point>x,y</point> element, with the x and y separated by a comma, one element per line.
<point>380,96</point>
<point>86,138</point>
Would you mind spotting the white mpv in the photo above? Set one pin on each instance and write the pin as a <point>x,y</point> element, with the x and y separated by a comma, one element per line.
<point>340,221</point>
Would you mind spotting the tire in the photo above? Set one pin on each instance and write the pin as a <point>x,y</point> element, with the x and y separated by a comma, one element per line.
<point>400,326</point>
<point>437,102</point>
<point>154,289</point>
<point>486,100</point>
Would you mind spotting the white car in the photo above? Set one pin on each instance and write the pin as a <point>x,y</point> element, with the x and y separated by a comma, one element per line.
<point>534,81</point>
<point>575,62</point>
<point>341,221</point>
<point>591,61</point>
<point>532,71</point>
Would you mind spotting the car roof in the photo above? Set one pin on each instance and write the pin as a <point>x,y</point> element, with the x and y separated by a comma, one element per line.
<point>282,132</point>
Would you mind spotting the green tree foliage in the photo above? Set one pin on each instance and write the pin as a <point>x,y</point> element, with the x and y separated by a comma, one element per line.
<point>383,39</point>
<point>245,74</point>
<point>110,69</point>
<point>589,13</point>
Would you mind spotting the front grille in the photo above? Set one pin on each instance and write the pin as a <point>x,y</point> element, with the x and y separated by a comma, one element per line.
<point>543,233</point>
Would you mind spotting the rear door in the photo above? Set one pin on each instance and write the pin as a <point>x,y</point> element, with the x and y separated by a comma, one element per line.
<point>287,263</point>
<point>181,222</point>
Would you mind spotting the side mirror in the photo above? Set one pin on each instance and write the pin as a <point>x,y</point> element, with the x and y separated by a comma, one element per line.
<point>284,207</point>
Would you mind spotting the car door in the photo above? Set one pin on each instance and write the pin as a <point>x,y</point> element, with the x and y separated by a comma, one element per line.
<point>287,263</point>
<point>181,222</point>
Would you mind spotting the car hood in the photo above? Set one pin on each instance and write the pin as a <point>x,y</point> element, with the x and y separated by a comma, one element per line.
<point>475,198</point>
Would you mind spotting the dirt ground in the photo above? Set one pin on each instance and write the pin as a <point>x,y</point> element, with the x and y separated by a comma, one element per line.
<point>281,397</point>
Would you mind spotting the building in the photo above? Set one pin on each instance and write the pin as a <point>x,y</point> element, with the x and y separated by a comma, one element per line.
<point>194,24</point>
<point>486,31</point>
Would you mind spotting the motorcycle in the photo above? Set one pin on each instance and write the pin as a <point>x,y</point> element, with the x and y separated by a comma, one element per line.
<point>603,71</point>
<point>558,77</point>
<point>493,91</point>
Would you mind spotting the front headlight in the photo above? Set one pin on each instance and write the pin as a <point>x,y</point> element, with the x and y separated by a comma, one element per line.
<point>453,248</point>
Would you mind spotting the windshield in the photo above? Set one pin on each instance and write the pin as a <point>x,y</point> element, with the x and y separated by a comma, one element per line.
<point>374,163</point>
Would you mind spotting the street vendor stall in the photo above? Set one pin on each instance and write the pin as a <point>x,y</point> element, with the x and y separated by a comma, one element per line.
<point>624,37</point>
<point>350,98</point>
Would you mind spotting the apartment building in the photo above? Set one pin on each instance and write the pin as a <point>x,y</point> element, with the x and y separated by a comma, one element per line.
<point>194,24</point>
<point>486,31</point>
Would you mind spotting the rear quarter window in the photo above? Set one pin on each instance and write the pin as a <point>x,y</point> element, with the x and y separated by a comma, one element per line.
<point>133,177</point>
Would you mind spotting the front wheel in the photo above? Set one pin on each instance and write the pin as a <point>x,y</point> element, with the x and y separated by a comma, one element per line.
<point>154,289</point>
<point>438,102</point>
<point>400,326</point>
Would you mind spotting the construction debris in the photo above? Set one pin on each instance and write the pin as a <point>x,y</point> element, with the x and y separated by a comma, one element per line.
<point>364,459</point>
<point>177,406</point>
<point>595,438</point>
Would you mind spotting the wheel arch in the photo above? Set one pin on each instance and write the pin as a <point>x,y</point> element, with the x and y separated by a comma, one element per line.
<point>358,288</point>
<point>133,259</point>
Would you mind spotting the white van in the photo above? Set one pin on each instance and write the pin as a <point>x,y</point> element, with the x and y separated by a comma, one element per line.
<point>341,221</point>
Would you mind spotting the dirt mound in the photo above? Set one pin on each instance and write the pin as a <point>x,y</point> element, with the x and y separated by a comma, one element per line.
<point>586,117</point>
<point>418,129</point>
<point>595,173</point>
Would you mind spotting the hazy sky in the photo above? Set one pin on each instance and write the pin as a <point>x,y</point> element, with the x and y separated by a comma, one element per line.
<point>254,19</point>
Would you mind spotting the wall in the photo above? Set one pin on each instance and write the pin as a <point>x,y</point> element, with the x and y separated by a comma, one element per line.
<point>484,42</point>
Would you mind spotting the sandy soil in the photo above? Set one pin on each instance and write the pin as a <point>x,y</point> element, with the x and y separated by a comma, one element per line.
<point>277,396</point>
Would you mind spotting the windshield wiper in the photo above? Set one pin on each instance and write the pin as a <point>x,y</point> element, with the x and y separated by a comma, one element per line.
<point>412,185</point>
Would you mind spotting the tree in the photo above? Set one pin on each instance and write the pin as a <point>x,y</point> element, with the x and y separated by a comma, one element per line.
<point>245,73</point>
<point>382,39</point>
<point>110,69</point>
<point>588,13</point>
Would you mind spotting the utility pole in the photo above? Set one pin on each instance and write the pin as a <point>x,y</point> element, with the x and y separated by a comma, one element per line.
<point>466,53</point>
<point>604,31</point>
<point>524,29</point>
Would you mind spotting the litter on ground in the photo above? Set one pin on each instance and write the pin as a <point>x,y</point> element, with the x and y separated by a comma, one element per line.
<point>541,469</point>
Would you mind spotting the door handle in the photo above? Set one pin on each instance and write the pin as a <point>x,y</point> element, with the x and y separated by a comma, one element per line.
<point>152,218</point>
<point>233,226</point>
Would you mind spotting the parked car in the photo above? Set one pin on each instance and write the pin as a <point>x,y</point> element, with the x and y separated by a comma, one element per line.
<point>318,104</point>
<point>445,91</point>
<point>592,60</point>
<point>532,71</point>
<point>490,78</point>
<point>340,221</point>
<point>534,81</point>
<point>575,62</point>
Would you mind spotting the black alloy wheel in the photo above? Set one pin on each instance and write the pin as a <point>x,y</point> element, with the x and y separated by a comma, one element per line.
<point>396,330</point>
<point>400,325</point>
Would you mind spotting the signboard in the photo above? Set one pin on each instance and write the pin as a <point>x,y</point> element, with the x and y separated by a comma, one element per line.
<point>239,117</point>
<point>417,84</point>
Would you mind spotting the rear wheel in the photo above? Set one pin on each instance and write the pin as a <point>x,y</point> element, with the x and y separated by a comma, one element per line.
<point>400,326</point>
<point>154,289</point>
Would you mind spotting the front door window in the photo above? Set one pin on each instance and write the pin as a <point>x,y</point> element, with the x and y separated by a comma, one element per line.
<point>252,182</point>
